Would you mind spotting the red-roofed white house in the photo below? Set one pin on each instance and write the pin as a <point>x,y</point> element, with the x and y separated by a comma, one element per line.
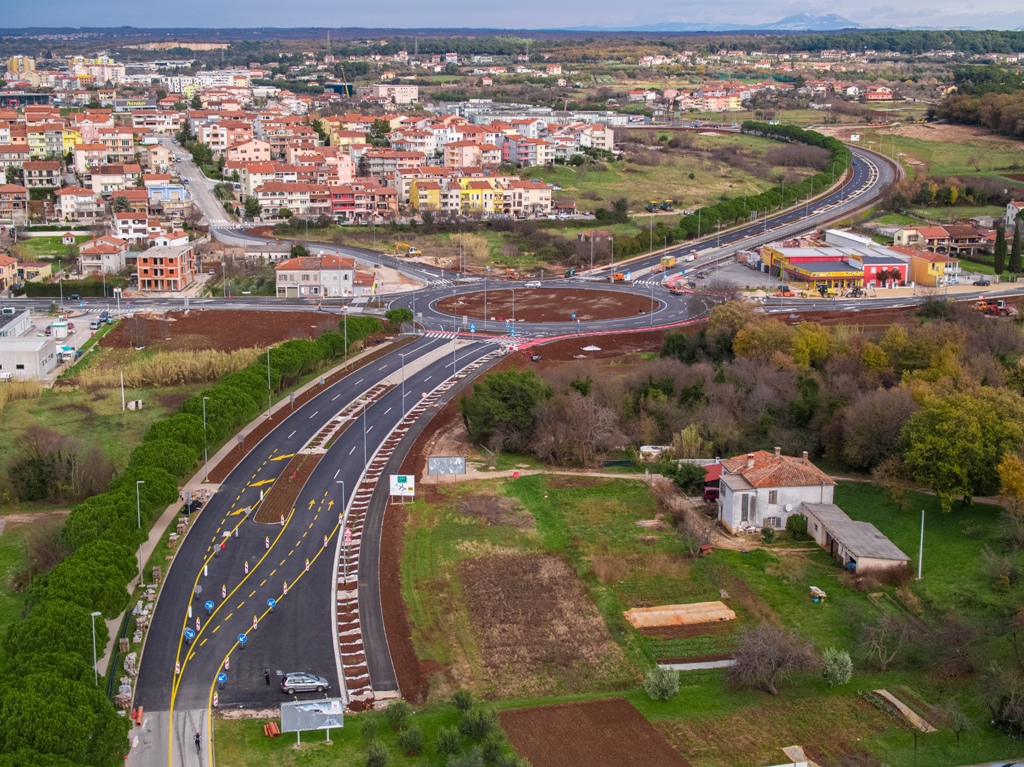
<point>76,203</point>
<point>103,254</point>
<point>315,277</point>
<point>764,489</point>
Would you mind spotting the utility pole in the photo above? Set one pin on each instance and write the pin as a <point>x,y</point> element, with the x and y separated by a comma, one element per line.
<point>269,402</point>
<point>920,555</point>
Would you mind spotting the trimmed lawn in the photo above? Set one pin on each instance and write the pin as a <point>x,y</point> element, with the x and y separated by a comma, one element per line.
<point>949,215</point>
<point>48,246</point>
<point>947,158</point>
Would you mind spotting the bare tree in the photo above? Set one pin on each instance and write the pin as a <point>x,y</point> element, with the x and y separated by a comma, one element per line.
<point>955,644</point>
<point>767,656</point>
<point>883,640</point>
<point>956,719</point>
<point>574,429</point>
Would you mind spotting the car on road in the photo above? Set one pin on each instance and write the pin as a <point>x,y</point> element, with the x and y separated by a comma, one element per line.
<point>74,297</point>
<point>300,681</point>
<point>981,283</point>
<point>534,284</point>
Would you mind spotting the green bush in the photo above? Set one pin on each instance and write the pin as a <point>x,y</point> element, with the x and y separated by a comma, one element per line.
<point>478,723</point>
<point>797,525</point>
<point>493,746</point>
<point>397,713</point>
<point>462,700</point>
<point>376,755</point>
<point>173,457</point>
<point>398,316</point>
<point>472,758</point>
<point>838,667</point>
<point>90,287</point>
<point>185,428</point>
<point>448,741</point>
<point>370,727</point>
<point>768,534</point>
<point>510,760</point>
<point>661,683</point>
<point>411,741</point>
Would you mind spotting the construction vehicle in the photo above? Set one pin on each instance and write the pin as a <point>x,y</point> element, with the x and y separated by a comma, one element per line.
<point>995,308</point>
<point>651,206</point>
<point>570,272</point>
<point>511,274</point>
<point>405,249</point>
<point>668,206</point>
<point>621,277</point>
<point>667,262</point>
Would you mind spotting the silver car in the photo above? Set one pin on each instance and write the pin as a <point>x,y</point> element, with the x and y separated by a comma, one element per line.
<point>300,681</point>
<point>534,284</point>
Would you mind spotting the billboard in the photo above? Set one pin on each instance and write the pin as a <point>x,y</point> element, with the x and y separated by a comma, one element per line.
<point>305,715</point>
<point>446,464</point>
<point>403,485</point>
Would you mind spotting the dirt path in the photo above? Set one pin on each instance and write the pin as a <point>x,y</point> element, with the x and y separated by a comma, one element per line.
<point>8,521</point>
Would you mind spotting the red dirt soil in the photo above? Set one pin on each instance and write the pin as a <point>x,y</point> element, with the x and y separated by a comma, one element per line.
<point>281,499</point>
<point>540,305</point>
<point>220,329</point>
<point>600,733</point>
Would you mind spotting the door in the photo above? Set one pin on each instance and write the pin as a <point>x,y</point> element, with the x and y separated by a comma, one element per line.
<point>744,508</point>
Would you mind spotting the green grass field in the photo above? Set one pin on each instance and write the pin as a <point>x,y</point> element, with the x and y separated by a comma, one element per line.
<point>592,526</point>
<point>947,158</point>
<point>951,215</point>
<point>13,558</point>
<point>35,247</point>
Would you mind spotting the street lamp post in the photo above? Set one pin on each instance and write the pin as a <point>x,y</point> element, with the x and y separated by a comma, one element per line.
<point>95,671</point>
<point>117,295</point>
<point>366,460</point>
<point>269,400</point>
<point>138,517</point>
<point>400,354</point>
<point>60,281</point>
<point>206,448</point>
<point>652,304</point>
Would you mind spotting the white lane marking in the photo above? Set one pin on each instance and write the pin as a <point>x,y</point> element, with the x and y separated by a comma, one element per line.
<point>337,473</point>
<point>427,379</point>
<point>314,413</point>
<point>352,450</point>
<point>387,411</point>
<point>359,381</point>
<point>292,434</point>
<point>369,430</point>
<point>335,397</point>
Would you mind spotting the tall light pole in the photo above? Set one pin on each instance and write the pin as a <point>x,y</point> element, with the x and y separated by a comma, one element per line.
<point>652,304</point>
<point>400,354</point>
<point>117,295</point>
<point>60,281</point>
<point>268,384</point>
<point>366,459</point>
<point>95,671</point>
<point>591,251</point>
<point>920,555</point>
<point>138,502</point>
<point>138,515</point>
<point>344,311</point>
<point>206,449</point>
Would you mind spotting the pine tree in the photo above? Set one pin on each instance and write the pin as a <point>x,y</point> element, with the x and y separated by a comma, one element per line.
<point>1001,251</point>
<point>1015,262</point>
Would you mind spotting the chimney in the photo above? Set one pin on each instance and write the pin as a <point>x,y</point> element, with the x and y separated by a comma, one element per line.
<point>804,457</point>
<point>750,460</point>
<point>778,451</point>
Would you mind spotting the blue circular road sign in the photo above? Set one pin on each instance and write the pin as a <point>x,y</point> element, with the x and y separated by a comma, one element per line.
<point>574,315</point>
<point>271,603</point>
<point>222,677</point>
<point>242,639</point>
<point>209,605</point>
<point>190,634</point>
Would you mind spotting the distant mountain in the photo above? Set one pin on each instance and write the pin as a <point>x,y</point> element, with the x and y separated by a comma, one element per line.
<point>800,22</point>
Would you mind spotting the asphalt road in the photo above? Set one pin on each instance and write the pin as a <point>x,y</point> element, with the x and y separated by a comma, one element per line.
<point>264,462</point>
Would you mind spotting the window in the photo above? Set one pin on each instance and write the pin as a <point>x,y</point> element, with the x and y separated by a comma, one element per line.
<point>773,521</point>
<point>773,496</point>
<point>744,508</point>
<point>19,366</point>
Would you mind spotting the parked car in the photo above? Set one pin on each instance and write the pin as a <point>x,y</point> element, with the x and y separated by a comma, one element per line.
<point>94,324</point>
<point>981,283</point>
<point>300,681</point>
<point>533,284</point>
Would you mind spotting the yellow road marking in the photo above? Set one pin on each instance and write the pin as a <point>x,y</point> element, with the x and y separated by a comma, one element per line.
<point>253,594</point>
<point>240,605</point>
<point>203,642</point>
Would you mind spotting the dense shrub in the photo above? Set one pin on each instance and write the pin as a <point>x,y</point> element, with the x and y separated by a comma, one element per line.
<point>411,741</point>
<point>397,713</point>
<point>173,457</point>
<point>797,525</point>
<point>838,668</point>
<point>661,683</point>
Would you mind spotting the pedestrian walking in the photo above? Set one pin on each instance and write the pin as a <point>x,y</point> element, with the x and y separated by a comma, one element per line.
<point>266,675</point>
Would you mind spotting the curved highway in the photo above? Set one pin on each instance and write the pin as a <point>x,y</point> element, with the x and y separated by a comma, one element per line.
<point>190,639</point>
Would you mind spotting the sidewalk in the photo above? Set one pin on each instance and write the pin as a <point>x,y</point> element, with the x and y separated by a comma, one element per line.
<point>195,482</point>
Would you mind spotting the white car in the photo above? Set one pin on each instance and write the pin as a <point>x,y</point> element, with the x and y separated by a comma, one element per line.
<point>534,284</point>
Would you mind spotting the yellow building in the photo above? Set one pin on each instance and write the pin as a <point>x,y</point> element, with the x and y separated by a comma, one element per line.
<point>478,196</point>
<point>20,64</point>
<point>424,195</point>
<point>927,268</point>
<point>72,138</point>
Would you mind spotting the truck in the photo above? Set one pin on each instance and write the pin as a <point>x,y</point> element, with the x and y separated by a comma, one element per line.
<point>995,308</point>
<point>405,249</point>
<point>651,206</point>
<point>621,277</point>
<point>668,206</point>
<point>667,262</point>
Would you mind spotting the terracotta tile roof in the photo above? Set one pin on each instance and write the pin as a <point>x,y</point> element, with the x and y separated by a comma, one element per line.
<point>313,263</point>
<point>770,470</point>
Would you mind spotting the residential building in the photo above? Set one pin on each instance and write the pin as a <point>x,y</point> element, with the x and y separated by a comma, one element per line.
<point>39,174</point>
<point>1012,209</point>
<point>390,92</point>
<point>326,276</point>
<point>763,489</point>
<point>131,227</point>
<point>930,269</point>
<point>76,203</point>
<point>859,546</point>
<point>102,255</point>
<point>166,268</point>
<point>166,122</point>
<point>251,150</point>
<point>8,271</point>
<point>276,196</point>
<point>25,354</point>
<point>13,203</point>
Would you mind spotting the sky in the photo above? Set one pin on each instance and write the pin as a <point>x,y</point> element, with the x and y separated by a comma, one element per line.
<point>524,14</point>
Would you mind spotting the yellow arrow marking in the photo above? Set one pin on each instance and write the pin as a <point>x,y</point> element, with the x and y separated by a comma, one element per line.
<point>282,457</point>
<point>261,482</point>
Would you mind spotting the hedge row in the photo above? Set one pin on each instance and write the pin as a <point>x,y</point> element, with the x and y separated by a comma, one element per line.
<point>738,209</point>
<point>50,711</point>
<point>88,287</point>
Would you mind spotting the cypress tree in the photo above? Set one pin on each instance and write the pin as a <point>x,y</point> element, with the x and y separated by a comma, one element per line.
<point>1015,262</point>
<point>1001,251</point>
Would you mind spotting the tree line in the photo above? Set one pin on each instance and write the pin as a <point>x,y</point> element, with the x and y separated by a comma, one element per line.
<point>51,713</point>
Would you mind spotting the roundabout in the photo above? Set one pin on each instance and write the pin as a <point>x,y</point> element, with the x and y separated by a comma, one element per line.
<point>541,305</point>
